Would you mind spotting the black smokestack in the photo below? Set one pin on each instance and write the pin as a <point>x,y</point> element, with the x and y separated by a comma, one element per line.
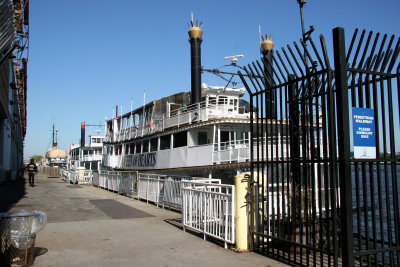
<point>83,134</point>
<point>195,34</point>
<point>267,51</point>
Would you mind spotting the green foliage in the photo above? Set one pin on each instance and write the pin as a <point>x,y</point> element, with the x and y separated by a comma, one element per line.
<point>37,158</point>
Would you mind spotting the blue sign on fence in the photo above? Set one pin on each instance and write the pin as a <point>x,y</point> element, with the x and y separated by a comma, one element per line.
<point>364,133</point>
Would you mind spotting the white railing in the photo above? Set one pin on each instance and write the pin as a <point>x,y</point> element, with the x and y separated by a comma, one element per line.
<point>185,115</point>
<point>64,173</point>
<point>72,176</point>
<point>92,157</point>
<point>166,190</point>
<point>86,177</point>
<point>112,161</point>
<point>117,181</point>
<point>231,155</point>
<point>209,208</point>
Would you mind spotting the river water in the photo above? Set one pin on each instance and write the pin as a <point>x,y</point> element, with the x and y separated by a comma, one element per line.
<point>376,190</point>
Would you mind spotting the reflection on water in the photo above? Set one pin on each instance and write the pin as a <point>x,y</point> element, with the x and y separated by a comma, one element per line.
<point>376,217</point>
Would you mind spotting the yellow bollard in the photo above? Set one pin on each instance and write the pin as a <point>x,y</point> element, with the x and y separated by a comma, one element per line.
<point>241,214</point>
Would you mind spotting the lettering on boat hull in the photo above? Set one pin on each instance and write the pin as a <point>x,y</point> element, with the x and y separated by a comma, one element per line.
<point>140,160</point>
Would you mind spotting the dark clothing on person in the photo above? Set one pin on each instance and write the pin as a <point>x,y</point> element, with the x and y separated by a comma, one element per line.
<point>32,169</point>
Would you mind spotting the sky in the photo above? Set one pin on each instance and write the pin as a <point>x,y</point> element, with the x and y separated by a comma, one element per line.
<point>87,56</point>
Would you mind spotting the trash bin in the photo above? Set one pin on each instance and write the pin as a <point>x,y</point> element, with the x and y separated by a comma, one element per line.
<point>17,236</point>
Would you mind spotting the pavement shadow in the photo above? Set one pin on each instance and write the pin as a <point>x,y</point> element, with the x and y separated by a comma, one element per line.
<point>10,193</point>
<point>177,222</point>
<point>38,251</point>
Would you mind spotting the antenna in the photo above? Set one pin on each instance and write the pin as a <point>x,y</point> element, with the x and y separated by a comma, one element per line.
<point>259,31</point>
<point>234,59</point>
<point>192,18</point>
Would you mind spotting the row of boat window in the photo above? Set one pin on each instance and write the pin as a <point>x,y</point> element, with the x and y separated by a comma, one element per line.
<point>180,139</point>
<point>75,152</point>
<point>150,145</point>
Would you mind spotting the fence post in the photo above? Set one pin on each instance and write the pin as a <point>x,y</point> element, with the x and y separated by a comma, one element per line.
<point>294,131</point>
<point>342,105</point>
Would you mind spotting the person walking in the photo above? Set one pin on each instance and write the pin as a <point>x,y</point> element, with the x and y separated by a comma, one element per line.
<point>32,169</point>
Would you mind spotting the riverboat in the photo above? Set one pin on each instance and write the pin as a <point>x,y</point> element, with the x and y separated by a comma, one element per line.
<point>204,132</point>
<point>172,135</point>
<point>83,162</point>
<point>88,156</point>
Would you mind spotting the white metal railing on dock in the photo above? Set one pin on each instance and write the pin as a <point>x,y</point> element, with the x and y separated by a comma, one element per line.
<point>165,190</point>
<point>206,204</point>
<point>118,181</point>
<point>209,208</point>
<point>86,177</point>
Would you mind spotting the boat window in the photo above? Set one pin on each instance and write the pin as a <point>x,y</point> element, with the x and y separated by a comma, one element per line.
<point>138,147</point>
<point>202,138</point>
<point>212,100</point>
<point>132,148</point>
<point>235,104</point>
<point>165,142</point>
<point>180,139</point>
<point>203,102</point>
<point>126,149</point>
<point>145,146</point>
<point>153,144</point>
<point>224,136</point>
<point>222,100</point>
<point>94,166</point>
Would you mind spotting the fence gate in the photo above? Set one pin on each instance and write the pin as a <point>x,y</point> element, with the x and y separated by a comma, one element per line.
<point>319,197</point>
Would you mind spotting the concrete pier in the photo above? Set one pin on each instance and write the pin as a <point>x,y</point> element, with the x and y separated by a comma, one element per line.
<point>89,226</point>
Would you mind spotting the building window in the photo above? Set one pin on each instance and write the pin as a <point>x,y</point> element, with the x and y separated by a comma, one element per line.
<point>165,142</point>
<point>180,139</point>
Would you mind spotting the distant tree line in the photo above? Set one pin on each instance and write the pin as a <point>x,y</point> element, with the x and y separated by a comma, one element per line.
<point>37,158</point>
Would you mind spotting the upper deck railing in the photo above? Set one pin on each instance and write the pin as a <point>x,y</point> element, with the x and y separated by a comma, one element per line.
<point>199,112</point>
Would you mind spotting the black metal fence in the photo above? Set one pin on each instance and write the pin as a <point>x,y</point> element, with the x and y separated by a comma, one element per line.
<point>314,201</point>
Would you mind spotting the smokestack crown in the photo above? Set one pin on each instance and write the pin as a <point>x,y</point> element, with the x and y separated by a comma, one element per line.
<point>267,44</point>
<point>195,32</point>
